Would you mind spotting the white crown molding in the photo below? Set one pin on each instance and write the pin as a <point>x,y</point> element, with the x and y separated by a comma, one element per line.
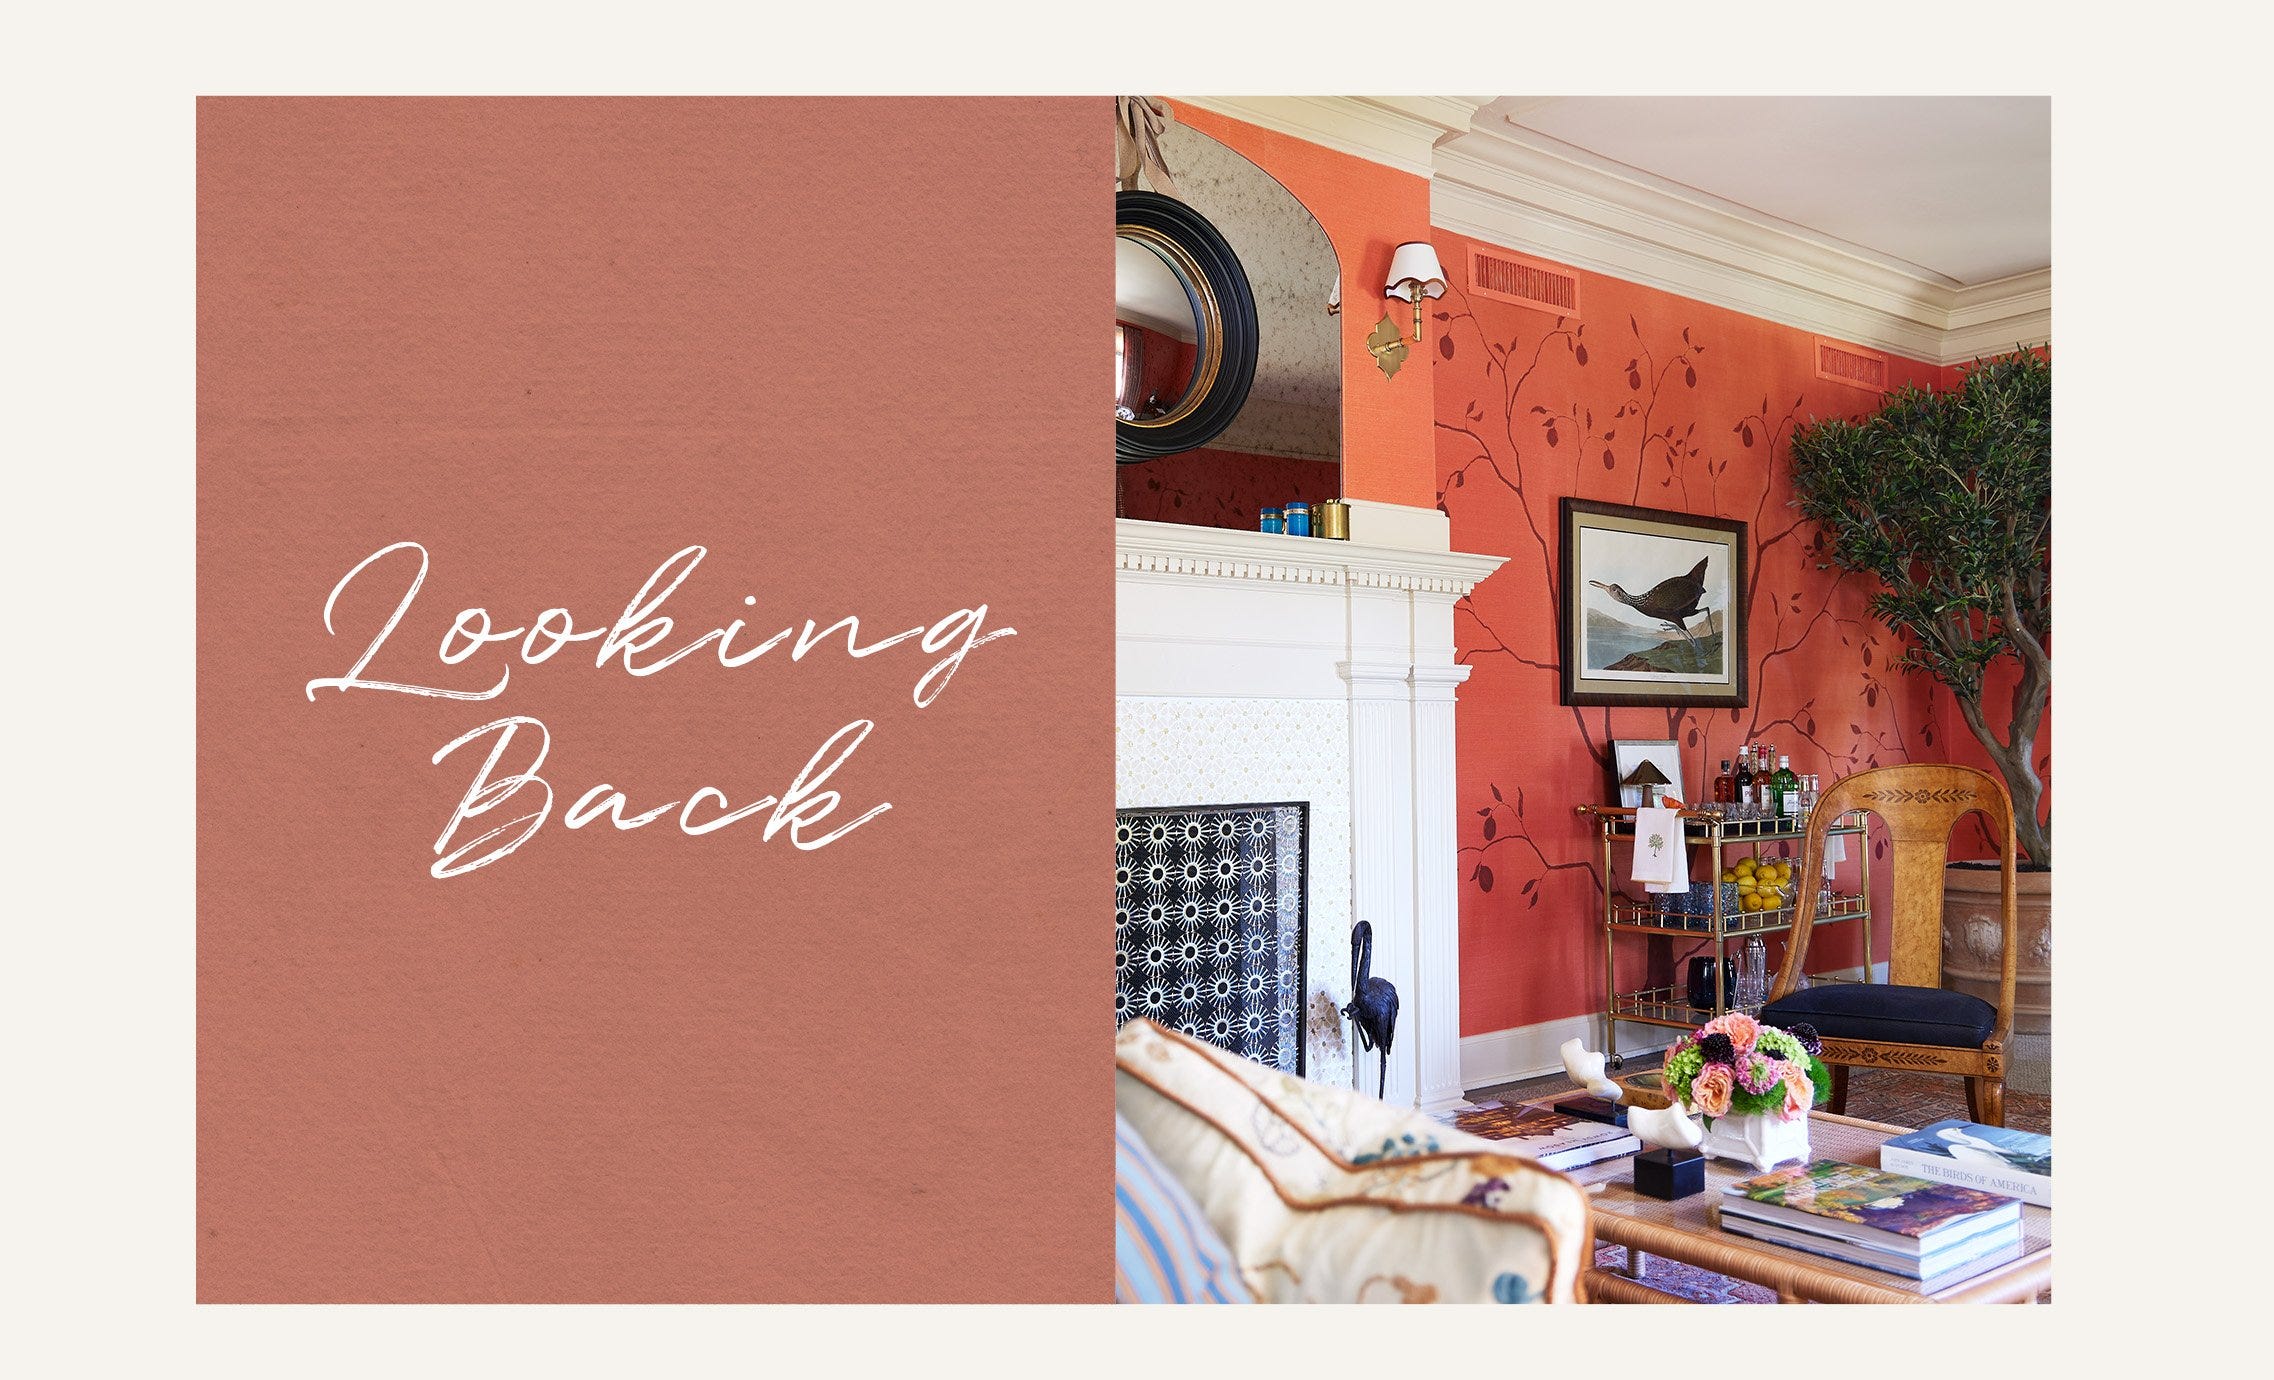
<point>1538,195</point>
<point>1534,197</point>
<point>1161,548</point>
<point>1992,318</point>
<point>1397,131</point>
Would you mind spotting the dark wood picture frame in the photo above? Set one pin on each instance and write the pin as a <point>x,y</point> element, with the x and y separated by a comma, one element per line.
<point>1721,607</point>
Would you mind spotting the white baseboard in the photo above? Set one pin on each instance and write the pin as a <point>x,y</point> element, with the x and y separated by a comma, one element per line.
<point>1529,1051</point>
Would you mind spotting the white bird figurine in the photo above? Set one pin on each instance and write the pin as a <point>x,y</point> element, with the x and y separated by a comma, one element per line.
<point>1585,1068</point>
<point>1666,1128</point>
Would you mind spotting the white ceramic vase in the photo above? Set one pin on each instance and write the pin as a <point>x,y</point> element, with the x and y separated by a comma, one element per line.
<point>1761,1139</point>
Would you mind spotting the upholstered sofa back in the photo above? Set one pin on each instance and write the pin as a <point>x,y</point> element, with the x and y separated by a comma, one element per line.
<point>1326,1195</point>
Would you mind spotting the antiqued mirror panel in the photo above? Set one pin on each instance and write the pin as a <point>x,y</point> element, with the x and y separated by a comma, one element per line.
<point>1285,443</point>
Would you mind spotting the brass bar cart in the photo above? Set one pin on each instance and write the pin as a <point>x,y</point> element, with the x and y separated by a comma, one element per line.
<point>1669,1005</point>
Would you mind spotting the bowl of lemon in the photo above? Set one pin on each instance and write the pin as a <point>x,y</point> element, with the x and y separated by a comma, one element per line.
<point>1762,883</point>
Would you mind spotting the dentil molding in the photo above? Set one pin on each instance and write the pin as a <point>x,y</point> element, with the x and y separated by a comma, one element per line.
<point>1171,550</point>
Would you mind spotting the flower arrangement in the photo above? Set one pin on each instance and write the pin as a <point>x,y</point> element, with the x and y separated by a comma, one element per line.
<point>1735,1066</point>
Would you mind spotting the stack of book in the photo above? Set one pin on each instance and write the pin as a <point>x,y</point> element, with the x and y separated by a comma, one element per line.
<point>1996,1159</point>
<point>1932,1232</point>
<point>1555,1140</point>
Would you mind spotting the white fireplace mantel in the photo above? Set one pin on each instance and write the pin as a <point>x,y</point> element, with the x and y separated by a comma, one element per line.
<point>1219,553</point>
<point>1257,667</point>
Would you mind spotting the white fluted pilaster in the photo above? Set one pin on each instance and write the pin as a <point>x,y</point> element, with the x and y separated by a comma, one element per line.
<point>1381,815</point>
<point>1436,881</point>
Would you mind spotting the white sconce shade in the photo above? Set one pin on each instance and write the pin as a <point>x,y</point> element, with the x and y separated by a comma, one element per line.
<point>1415,273</point>
<point>1334,298</point>
<point>1415,276</point>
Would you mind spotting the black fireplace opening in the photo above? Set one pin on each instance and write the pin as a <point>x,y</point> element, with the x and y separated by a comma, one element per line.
<point>1208,924</point>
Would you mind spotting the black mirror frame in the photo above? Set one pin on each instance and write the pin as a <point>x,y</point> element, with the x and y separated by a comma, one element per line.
<point>1234,310</point>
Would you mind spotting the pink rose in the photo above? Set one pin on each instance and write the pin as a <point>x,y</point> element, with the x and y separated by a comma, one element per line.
<point>1741,1029</point>
<point>1799,1094</point>
<point>1710,1090</point>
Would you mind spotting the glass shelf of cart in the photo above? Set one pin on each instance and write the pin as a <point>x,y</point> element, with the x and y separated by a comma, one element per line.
<point>1703,825</point>
<point>1668,1006</point>
<point>1643,918</point>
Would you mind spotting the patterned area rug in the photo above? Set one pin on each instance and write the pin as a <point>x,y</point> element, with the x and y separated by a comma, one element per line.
<point>1901,1099</point>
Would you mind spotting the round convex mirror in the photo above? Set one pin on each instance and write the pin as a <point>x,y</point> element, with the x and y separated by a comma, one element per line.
<point>1184,328</point>
<point>1157,330</point>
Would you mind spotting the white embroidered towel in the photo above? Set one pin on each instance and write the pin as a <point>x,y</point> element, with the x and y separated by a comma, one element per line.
<point>1835,851</point>
<point>1661,859</point>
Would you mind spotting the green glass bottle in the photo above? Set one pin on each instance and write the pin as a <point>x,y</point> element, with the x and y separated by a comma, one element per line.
<point>1784,790</point>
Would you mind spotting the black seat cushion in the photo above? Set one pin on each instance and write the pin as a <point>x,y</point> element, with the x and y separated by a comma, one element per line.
<point>1884,1014</point>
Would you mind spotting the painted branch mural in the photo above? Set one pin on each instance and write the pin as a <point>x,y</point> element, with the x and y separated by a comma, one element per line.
<point>1656,401</point>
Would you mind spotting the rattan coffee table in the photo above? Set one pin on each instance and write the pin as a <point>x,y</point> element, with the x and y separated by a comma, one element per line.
<point>1688,1230</point>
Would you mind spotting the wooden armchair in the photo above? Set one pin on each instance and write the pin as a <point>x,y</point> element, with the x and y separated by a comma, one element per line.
<point>1910,1021</point>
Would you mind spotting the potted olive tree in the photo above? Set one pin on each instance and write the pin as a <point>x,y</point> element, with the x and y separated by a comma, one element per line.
<point>1947,498</point>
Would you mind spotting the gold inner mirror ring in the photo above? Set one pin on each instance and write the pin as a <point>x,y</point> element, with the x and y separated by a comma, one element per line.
<point>1211,321</point>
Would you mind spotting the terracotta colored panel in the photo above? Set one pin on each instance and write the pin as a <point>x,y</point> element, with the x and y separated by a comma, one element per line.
<point>850,347</point>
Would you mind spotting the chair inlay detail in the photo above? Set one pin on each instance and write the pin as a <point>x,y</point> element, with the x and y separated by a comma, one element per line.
<point>1946,795</point>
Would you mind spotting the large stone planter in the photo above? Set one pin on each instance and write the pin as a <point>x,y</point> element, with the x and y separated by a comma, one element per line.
<point>1971,960</point>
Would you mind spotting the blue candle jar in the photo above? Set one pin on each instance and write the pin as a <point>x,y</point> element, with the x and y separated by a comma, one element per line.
<point>1272,521</point>
<point>1298,519</point>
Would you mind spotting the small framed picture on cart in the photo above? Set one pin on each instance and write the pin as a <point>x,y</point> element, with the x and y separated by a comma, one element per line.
<point>1629,753</point>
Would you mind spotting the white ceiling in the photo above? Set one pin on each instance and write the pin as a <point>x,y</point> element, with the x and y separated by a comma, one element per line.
<point>1956,189</point>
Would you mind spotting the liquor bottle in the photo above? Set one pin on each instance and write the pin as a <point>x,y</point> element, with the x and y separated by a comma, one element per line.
<point>1784,790</point>
<point>1744,781</point>
<point>1724,785</point>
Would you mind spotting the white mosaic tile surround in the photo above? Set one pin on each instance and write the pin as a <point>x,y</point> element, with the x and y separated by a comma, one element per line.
<point>1218,751</point>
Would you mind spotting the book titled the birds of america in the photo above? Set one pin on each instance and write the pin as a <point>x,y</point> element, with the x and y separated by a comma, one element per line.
<point>1997,1159</point>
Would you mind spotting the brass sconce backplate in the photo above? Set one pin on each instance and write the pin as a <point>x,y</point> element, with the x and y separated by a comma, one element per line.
<point>1388,345</point>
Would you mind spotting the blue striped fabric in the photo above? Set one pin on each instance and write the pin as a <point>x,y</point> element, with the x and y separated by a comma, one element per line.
<point>1164,1251</point>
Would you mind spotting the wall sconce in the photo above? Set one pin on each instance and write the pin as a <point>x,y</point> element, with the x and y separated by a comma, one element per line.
<point>1334,298</point>
<point>1416,276</point>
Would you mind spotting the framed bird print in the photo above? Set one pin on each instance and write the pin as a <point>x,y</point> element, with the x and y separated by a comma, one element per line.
<point>1653,607</point>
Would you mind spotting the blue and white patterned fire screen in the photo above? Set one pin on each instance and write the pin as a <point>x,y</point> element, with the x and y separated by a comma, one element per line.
<point>1208,925</point>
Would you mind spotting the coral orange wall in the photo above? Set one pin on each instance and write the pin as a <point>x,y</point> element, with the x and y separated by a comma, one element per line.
<point>1367,210</point>
<point>1656,400</point>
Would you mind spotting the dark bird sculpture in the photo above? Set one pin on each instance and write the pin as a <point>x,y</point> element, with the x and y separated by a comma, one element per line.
<point>1373,1001</point>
